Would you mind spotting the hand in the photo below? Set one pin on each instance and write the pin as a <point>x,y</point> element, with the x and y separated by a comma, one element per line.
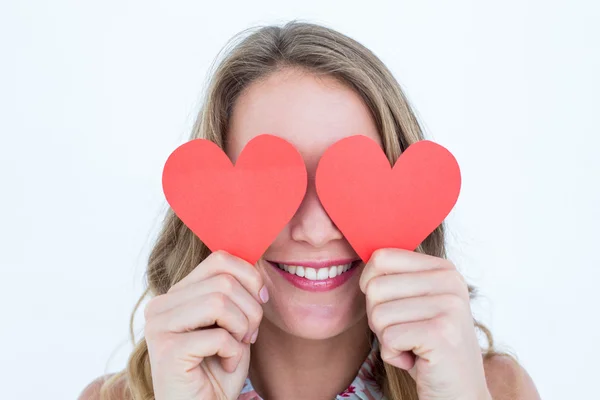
<point>198,333</point>
<point>418,306</point>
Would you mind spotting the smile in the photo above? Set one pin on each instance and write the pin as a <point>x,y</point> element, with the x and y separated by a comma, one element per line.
<point>317,277</point>
<point>315,274</point>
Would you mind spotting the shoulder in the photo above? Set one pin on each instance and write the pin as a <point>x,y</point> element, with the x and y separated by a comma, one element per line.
<point>508,380</point>
<point>92,390</point>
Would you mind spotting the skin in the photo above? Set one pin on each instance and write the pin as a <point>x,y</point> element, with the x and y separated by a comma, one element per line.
<point>417,305</point>
<point>304,335</point>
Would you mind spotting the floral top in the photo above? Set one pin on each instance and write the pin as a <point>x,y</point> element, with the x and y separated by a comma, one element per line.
<point>363,387</point>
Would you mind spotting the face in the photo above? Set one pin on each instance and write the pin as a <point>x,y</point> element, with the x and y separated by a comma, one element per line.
<point>311,113</point>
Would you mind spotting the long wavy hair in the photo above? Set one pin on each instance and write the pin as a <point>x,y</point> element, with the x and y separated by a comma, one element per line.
<point>251,55</point>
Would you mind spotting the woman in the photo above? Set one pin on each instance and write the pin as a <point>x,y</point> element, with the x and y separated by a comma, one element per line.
<point>399,327</point>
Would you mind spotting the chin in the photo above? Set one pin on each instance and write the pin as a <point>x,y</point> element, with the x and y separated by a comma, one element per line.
<point>314,309</point>
<point>316,321</point>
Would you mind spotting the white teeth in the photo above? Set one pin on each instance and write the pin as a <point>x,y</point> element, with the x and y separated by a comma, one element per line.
<point>315,274</point>
<point>310,273</point>
<point>323,273</point>
<point>332,273</point>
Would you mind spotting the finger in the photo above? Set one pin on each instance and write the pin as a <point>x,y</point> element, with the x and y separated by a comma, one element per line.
<point>412,309</point>
<point>383,288</point>
<point>194,346</point>
<point>394,261</point>
<point>221,262</point>
<point>429,340</point>
<point>223,283</point>
<point>413,337</point>
<point>404,359</point>
<point>207,310</point>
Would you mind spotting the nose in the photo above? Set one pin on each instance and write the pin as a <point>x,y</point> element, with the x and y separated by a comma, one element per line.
<point>311,224</point>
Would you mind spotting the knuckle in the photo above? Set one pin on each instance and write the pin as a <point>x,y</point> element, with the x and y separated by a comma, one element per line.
<point>446,263</point>
<point>256,279</point>
<point>219,256</point>
<point>453,303</point>
<point>453,281</point>
<point>376,319</point>
<point>378,258</point>
<point>387,336</point>
<point>386,354</point>
<point>459,278</point>
<point>222,336</point>
<point>256,314</point>
<point>218,301</point>
<point>227,283</point>
<point>373,288</point>
<point>447,331</point>
<point>239,327</point>
<point>150,308</point>
<point>461,284</point>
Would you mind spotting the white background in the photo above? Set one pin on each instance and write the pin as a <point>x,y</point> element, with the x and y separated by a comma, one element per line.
<point>95,95</point>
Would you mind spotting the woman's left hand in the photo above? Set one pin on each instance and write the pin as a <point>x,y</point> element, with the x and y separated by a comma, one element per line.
<point>418,306</point>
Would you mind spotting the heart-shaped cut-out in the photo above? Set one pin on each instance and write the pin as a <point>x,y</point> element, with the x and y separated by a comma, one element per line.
<point>240,209</point>
<point>377,206</point>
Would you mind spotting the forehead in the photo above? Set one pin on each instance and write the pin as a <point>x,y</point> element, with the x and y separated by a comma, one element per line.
<point>308,111</point>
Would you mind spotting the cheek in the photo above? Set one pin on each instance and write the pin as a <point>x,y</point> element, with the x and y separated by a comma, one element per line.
<point>282,239</point>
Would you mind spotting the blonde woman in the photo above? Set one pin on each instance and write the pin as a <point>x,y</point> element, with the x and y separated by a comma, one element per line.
<point>398,328</point>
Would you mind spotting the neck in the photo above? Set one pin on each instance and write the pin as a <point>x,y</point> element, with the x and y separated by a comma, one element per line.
<point>283,366</point>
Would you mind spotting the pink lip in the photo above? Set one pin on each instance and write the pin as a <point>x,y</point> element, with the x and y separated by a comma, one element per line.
<point>321,285</point>
<point>318,264</point>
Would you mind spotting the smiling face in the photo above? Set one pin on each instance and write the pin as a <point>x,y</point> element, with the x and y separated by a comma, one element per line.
<point>314,298</point>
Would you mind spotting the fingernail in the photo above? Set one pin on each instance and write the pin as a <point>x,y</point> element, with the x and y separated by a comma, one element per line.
<point>254,335</point>
<point>264,294</point>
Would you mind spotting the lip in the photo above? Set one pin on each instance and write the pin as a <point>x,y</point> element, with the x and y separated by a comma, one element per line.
<point>321,285</point>
<point>317,264</point>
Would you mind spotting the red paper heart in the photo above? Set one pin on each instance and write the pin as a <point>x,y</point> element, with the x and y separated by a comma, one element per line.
<point>377,206</point>
<point>238,209</point>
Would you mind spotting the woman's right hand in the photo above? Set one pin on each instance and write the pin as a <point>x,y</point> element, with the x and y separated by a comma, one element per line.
<point>199,332</point>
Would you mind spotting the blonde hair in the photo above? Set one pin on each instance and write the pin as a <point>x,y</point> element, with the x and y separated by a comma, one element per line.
<point>318,50</point>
